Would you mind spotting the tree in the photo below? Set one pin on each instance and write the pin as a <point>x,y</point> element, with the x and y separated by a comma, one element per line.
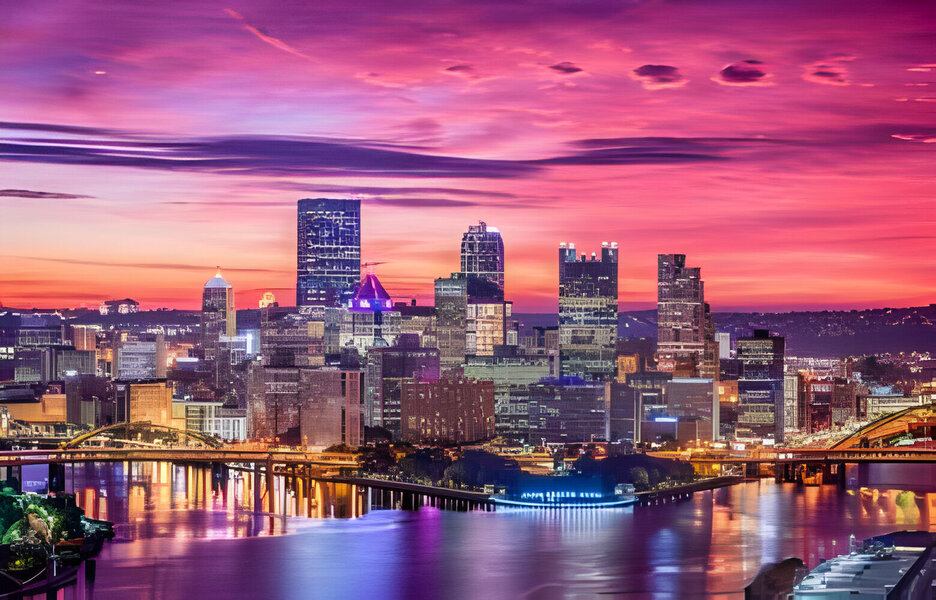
<point>640,479</point>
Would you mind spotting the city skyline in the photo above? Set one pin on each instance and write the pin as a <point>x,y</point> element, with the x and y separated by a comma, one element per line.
<point>787,150</point>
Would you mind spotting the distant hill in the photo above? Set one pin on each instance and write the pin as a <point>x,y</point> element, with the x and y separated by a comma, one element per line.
<point>827,333</point>
<point>814,333</point>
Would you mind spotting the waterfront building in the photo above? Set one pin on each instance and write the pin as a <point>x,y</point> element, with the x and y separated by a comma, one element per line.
<point>641,398</point>
<point>138,401</point>
<point>882,400</point>
<point>218,316</point>
<point>760,387</point>
<point>451,306</point>
<point>213,418</point>
<point>89,400</point>
<point>506,373</point>
<point>686,343</point>
<point>728,407</point>
<point>387,369</point>
<point>564,410</point>
<point>588,313</point>
<point>451,410</point>
<point>694,399</point>
<point>309,406</point>
<point>482,261</point>
<point>825,402</point>
<point>328,251</point>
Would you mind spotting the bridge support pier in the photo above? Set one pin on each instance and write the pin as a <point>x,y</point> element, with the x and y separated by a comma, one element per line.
<point>257,498</point>
<point>271,487</point>
<point>56,477</point>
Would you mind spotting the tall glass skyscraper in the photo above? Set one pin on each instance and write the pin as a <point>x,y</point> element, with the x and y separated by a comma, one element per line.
<point>685,330</point>
<point>218,317</point>
<point>482,261</point>
<point>588,313</point>
<point>329,251</point>
<point>760,388</point>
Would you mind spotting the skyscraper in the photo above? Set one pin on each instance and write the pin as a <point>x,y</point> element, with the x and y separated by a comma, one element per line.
<point>451,302</point>
<point>588,313</point>
<point>760,388</point>
<point>328,251</point>
<point>686,334</point>
<point>218,316</point>
<point>482,261</point>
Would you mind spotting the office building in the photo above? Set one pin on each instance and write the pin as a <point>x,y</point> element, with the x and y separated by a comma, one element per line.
<point>488,326</point>
<point>482,261</point>
<point>760,387</point>
<point>686,343</point>
<point>447,411</point>
<point>588,313</point>
<point>368,320</point>
<point>139,359</point>
<point>145,401</point>
<point>328,265</point>
<point>451,306</point>
<point>218,316</point>
<point>387,369</point>
<point>308,406</point>
<point>564,410</point>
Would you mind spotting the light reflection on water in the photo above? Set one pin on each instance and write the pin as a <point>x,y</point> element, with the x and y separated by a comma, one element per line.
<point>707,547</point>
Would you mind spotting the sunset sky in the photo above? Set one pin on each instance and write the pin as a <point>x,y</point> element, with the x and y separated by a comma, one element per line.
<point>788,148</point>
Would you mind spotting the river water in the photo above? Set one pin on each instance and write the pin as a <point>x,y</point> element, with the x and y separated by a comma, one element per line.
<point>179,536</point>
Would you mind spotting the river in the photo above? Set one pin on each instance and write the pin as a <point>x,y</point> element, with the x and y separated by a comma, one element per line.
<point>181,537</point>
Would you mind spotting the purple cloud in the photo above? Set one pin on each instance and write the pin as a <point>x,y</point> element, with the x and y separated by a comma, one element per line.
<point>745,73</point>
<point>566,68</point>
<point>657,77</point>
<point>42,195</point>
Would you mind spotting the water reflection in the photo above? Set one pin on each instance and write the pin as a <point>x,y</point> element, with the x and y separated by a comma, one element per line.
<point>708,547</point>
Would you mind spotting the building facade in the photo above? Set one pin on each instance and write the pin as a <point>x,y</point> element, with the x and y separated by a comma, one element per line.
<point>686,343</point>
<point>447,411</point>
<point>482,261</point>
<point>588,313</point>
<point>328,251</point>
<point>760,387</point>
<point>218,316</point>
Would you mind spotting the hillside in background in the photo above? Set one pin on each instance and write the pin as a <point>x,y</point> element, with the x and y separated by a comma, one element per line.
<point>814,333</point>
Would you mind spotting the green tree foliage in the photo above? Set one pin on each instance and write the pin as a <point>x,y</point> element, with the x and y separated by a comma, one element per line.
<point>640,478</point>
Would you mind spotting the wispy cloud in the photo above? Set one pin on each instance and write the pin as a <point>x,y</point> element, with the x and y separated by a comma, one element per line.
<point>40,195</point>
<point>267,38</point>
<point>141,265</point>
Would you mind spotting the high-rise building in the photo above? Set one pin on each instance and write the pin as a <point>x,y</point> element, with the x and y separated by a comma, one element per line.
<point>588,312</point>
<point>387,369</point>
<point>367,320</point>
<point>218,316</point>
<point>564,410</point>
<point>447,411</point>
<point>328,251</point>
<point>488,326</point>
<point>482,261</point>
<point>760,387</point>
<point>686,343</point>
<point>451,305</point>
